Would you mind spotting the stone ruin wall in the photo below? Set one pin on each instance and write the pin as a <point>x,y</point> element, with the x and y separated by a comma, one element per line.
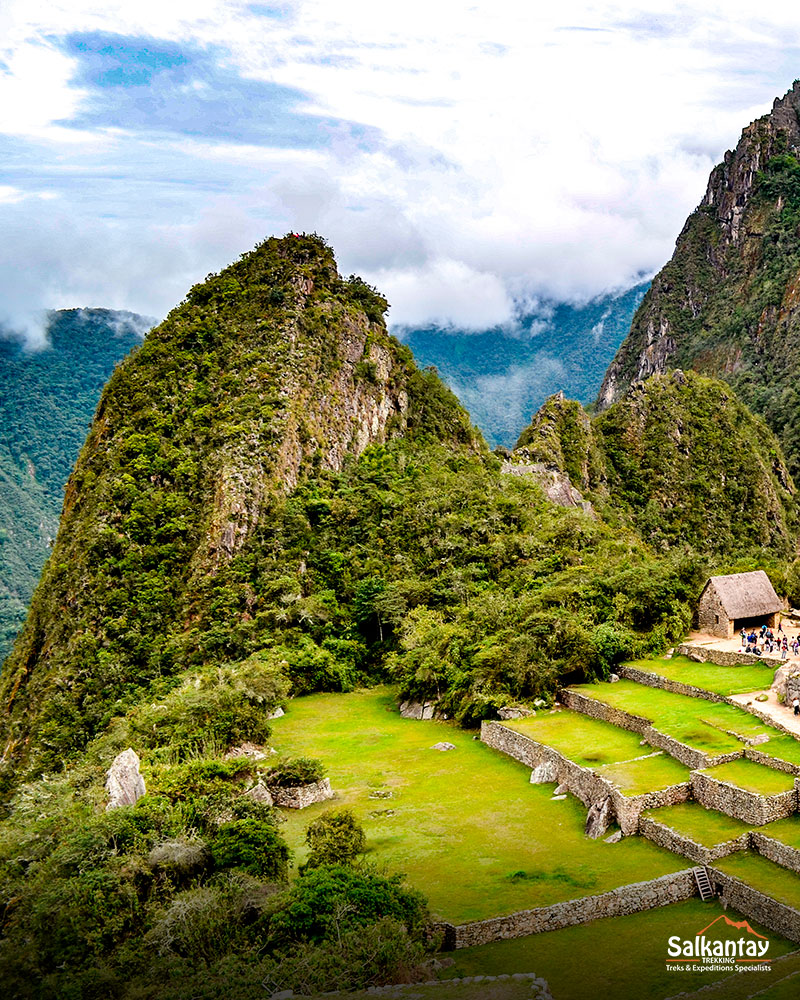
<point>664,836</point>
<point>582,782</point>
<point>648,679</point>
<point>755,905</point>
<point>300,796</point>
<point>617,903</point>
<point>749,807</point>
<point>723,657</point>
<point>774,850</point>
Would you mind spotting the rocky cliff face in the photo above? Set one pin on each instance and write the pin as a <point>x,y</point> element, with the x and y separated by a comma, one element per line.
<point>272,370</point>
<point>727,302</point>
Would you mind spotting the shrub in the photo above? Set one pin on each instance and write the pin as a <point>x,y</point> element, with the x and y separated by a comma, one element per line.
<point>252,845</point>
<point>297,771</point>
<point>334,838</point>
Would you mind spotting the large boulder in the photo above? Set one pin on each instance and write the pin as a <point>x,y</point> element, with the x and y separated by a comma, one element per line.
<point>124,783</point>
<point>514,712</point>
<point>417,709</point>
<point>599,818</point>
<point>544,773</point>
<point>785,674</point>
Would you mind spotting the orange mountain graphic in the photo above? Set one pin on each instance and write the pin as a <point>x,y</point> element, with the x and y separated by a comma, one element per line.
<point>739,926</point>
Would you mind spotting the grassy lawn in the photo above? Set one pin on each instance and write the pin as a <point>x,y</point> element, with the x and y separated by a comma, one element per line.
<point>787,831</point>
<point>752,777</point>
<point>769,878</point>
<point>646,775</point>
<point>703,725</point>
<point>465,825</point>
<point>783,747</point>
<point>704,826</point>
<point>709,676</point>
<point>589,742</point>
<point>618,957</point>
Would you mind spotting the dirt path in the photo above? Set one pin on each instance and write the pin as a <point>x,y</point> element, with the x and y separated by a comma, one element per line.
<point>772,708</point>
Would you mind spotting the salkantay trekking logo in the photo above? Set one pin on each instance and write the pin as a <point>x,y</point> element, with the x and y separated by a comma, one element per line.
<point>713,953</point>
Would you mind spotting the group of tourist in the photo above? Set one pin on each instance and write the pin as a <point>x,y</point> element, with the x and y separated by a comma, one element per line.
<point>766,642</point>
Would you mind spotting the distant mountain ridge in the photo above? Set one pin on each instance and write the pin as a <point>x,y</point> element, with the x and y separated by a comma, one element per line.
<point>503,375</point>
<point>47,399</point>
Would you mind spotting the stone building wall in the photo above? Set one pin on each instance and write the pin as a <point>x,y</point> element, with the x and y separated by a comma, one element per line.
<point>711,615</point>
<point>584,783</point>
<point>774,850</point>
<point>619,902</point>
<point>679,843</point>
<point>755,905</point>
<point>749,807</point>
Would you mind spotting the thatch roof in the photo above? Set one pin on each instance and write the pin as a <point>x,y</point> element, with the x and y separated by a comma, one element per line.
<point>746,595</point>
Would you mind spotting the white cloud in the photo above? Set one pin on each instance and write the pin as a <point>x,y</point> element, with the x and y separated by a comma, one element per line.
<point>518,157</point>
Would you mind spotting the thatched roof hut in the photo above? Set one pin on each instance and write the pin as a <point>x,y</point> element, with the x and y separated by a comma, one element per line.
<point>729,603</point>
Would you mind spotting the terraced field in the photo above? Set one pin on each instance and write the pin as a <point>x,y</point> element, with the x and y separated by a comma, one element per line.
<point>710,677</point>
<point>751,777</point>
<point>704,826</point>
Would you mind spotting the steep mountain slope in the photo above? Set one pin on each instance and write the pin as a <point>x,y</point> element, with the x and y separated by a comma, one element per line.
<point>271,476</point>
<point>681,459</point>
<point>47,399</point>
<point>502,376</point>
<point>272,369</point>
<point>727,303</point>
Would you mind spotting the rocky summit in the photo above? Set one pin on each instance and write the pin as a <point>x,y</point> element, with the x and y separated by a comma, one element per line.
<point>726,304</point>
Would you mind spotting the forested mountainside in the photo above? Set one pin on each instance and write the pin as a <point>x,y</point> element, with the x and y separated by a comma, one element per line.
<point>47,399</point>
<point>681,459</point>
<point>726,304</point>
<point>273,499</point>
<point>271,474</point>
<point>502,376</point>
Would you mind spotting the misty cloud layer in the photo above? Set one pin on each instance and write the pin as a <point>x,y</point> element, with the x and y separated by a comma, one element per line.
<point>465,160</point>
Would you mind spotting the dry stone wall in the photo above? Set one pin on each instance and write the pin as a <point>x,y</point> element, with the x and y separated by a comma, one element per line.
<point>584,783</point>
<point>667,684</point>
<point>722,657</point>
<point>300,796</point>
<point>617,903</point>
<point>679,843</point>
<point>774,850</point>
<point>756,906</point>
<point>750,807</point>
<point>751,753</point>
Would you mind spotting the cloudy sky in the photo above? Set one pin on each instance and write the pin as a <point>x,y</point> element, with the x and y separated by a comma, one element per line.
<point>462,156</point>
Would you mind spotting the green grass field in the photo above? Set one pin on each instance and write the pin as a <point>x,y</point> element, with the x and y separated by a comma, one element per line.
<point>618,957</point>
<point>764,875</point>
<point>752,777</point>
<point>615,753</point>
<point>635,777</point>
<point>704,826</point>
<point>783,747</point>
<point>703,725</point>
<point>709,676</point>
<point>589,742</point>
<point>465,825</point>
<point>787,831</point>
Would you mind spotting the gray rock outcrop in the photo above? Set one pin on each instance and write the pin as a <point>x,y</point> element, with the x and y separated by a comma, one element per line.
<point>417,709</point>
<point>124,783</point>
<point>599,818</point>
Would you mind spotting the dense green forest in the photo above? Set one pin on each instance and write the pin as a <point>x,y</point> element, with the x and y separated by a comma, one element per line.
<point>47,400</point>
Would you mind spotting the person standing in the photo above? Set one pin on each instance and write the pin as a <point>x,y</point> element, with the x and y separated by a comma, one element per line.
<point>796,706</point>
